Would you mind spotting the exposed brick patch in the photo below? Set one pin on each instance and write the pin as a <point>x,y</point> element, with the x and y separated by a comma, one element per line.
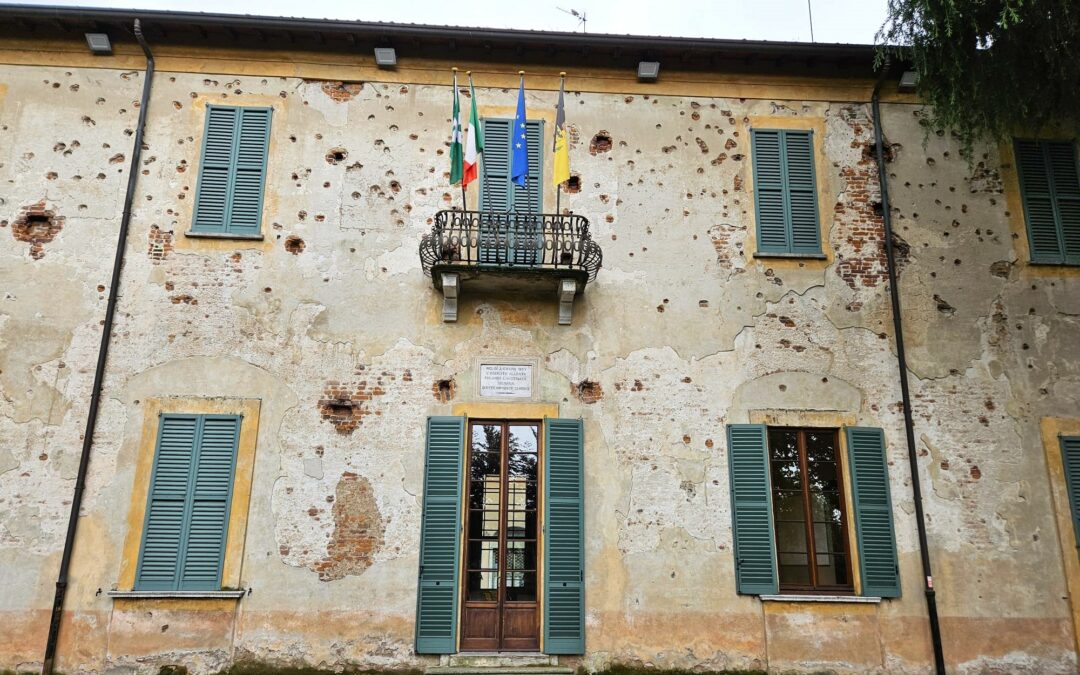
<point>340,91</point>
<point>721,236</point>
<point>588,391</point>
<point>861,263</point>
<point>985,179</point>
<point>600,143</point>
<point>346,404</point>
<point>160,243</point>
<point>36,226</point>
<point>443,390</point>
<point>573,184</point>
<point>358,530</point>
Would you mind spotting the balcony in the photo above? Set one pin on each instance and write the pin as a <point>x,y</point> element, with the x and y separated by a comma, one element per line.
<point>508,252</point>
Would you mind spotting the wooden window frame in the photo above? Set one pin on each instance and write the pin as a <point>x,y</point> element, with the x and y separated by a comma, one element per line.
<point>813,588</point>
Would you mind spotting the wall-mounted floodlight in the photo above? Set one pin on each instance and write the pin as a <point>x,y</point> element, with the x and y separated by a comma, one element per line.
<point>98,43</point>
<point>648,70</point>
<point>385,57</point>
<point>909,80</point>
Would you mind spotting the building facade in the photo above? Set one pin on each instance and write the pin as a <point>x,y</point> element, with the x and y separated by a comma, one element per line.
<point>651,418</point>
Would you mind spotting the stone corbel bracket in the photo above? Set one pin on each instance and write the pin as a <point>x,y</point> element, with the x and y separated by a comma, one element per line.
<point>567,291</point>
<point>450,297</point>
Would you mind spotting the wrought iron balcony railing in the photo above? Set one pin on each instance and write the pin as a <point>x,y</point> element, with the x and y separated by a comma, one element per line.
<point>556,244</point>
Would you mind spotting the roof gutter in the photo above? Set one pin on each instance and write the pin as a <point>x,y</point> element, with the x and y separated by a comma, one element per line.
<point>99,371</point>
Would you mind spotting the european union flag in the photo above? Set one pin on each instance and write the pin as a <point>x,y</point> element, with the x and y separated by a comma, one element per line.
<point>519,155</point>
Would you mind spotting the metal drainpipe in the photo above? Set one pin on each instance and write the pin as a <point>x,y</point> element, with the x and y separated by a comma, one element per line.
<point>909,423</point>
<point>99,371</point>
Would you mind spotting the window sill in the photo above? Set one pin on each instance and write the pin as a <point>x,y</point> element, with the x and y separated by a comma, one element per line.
<point>1040,263</point>
<point>140,595</point>
<point>848,599</point>
<point>223,235</point>
<point>797,256</point>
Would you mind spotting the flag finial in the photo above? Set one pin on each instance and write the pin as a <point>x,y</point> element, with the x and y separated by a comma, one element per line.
<point>562,73</point>
<point>454,69</point>
<point>521,72</point>
<point>469,73</point>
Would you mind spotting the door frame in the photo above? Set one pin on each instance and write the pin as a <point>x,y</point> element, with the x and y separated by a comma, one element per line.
<point>463,580</point>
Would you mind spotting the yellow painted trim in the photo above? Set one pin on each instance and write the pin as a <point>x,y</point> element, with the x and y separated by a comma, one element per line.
<point>241,497</point>
<point>361,68</point>
<point>826,197</point>
<point>1014,202</point>
<point>175,604</point>
<point>1050,428</point>
<point>185,208</point>
<point>506,411</point>
<point>825,420</point>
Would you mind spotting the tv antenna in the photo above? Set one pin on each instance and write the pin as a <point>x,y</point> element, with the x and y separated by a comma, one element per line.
<point>580,16</point>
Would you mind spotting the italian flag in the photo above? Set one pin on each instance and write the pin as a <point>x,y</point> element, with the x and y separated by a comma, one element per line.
<point>474,141</point>
<point>456,168</point>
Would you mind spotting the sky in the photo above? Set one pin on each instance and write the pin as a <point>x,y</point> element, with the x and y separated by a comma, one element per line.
<point>851,21</point>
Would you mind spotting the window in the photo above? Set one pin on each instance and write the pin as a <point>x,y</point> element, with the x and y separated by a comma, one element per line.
<point>232,172</point>
<point>808,510</point>
<point>497,192</point>
<point>785,193</point>
<point>789,516</point>
<point>1050,187</point>
<point>190,495</point>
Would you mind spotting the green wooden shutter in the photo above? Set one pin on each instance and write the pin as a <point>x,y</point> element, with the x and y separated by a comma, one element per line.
<point>1036,188</point>
<point>495,192</point>
<point>215,169</point>
<point>1070,458</point>
<point>440,537</point>
<point>772,231</point>
<point>209,504</point>
<point>879,567</point>
<point>801,191</point>
<point>232,171</point>
<point>564,537</point>
<point>1061,158</point>
<point>785,191</point>
<point>164,525</point>
<point>530,199</point>
<point>751,510</point>
<point>249,176</point>
<point>187,512</point>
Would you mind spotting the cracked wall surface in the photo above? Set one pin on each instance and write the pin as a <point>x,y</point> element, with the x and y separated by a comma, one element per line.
<point>330,321</point>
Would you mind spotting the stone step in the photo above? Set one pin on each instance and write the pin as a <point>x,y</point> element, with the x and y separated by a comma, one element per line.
<point>499,660</point>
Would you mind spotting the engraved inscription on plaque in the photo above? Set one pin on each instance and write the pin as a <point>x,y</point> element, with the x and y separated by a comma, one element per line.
<point>506,380</point>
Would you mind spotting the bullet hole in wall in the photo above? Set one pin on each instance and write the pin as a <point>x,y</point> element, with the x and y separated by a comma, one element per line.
<point>294,244</point>
<point>336,155</point>
<point>443,390</point>
<point>600,143</point>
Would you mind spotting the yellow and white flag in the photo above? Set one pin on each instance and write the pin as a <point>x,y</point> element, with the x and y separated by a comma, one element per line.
<point>561,169</point>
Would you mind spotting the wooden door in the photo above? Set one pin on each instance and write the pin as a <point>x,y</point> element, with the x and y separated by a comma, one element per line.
<point>500,610</point>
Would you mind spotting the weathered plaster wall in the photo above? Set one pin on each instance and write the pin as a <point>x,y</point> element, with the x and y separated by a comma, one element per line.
<point>683,332</point>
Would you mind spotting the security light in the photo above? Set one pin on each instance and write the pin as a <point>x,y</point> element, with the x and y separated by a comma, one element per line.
<point>98,43</point>
<point>385,57</point>
<point>648,70</point>
<point>908,81</point>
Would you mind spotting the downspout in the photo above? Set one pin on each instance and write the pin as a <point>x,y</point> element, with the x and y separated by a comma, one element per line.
<point>901,358</point>
<point>99,371</point>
